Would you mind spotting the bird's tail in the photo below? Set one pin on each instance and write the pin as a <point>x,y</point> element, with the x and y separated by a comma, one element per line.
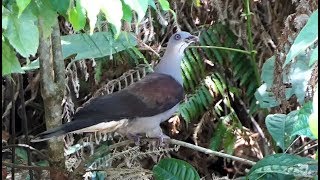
<point>58,131</point>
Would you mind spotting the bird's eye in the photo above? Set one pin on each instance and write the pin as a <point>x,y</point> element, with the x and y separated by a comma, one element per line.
<point>177,37</point>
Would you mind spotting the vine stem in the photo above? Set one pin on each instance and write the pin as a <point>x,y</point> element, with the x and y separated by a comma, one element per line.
<point>225,48</point>
<point>248,14</point>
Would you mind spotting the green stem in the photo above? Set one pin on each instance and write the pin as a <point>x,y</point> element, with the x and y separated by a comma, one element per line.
<point>226,48</point>
<point>250,40</point>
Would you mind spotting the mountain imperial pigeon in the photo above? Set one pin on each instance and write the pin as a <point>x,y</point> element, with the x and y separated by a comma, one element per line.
<point>139,108</point>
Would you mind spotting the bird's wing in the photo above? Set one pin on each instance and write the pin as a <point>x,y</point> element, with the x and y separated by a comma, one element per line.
<point>152,95</point>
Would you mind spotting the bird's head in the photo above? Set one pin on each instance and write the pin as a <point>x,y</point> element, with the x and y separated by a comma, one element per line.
<point>180,41</point>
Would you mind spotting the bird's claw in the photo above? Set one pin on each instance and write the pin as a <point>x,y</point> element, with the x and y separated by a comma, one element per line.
<point>135,137</point>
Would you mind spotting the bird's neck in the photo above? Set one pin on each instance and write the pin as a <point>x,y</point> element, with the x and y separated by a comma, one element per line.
<point>170,64</point>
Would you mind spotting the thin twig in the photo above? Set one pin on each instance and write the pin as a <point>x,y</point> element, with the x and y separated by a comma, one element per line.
<point>315,145</point>
<point>14,166</point>
<point>308,143</point>
<point>224,48</point>
<point>209,151</point>
<point>191,146</point>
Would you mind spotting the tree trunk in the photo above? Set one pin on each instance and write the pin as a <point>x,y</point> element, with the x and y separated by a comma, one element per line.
<point>52,78</point>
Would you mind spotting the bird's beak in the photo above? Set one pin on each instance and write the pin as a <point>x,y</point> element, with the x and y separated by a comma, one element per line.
<point>191,39</point>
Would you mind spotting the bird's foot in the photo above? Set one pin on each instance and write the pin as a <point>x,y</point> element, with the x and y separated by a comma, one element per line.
<point>161,139</point>
<point>135,137</point>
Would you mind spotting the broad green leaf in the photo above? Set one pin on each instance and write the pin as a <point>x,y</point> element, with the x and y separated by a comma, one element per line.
<point>307,36</point>
<point>5,16</point>
<point>299,75</point>
<point>99,44</point>
<point>139,6</point>
<point>22,33</point>
<point>152,4</point>
<point>280,128</point>
<point>265,97</point>
<point>267,71</point>
<point>32,66</point>
<point>174,169</point>
<point>164,5</point>
<point>10,63</point>
<point>22,4</point>
<point>301,118</point>
<point>314,56</point>
<point>284,164</point>
<point>127,14</point>
<point>93,8</point>
<point>61,6</point>
<point>77,16</point>
<point>112,9</point>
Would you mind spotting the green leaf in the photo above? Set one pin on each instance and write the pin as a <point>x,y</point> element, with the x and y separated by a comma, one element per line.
<point>174,169</point>
<point>22,4</point>
<point>77,16</point>
<point>61,6</point>
<point>21,153</point>
<point>267,71</point>
<point>152,4</point>
<point>313,118</point>
<point>314,56</point>
<point>22,33</point>
<point>93,9</point>
<point>299,75</point>
<point>42,163</point>
<point>32,66</point>
<point>5,16</point>
<point>99,44</point>
<point>112,9</point>
<point>139,6</point>
<point>127,14</point>
<point>48,16</point>
<point>301,119</point>
<point>307,36</point>
<point>265,98</point>
<point>10,63</point>
<point>284,164</point>
<point>164,5</point>
<point>280,128</point>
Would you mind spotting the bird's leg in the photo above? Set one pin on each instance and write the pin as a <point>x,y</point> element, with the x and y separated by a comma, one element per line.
<point>157,133</point>
<point>135,137</point>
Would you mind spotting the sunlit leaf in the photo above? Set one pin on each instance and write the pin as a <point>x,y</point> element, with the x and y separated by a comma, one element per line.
<point>22,33</point>
<point>112,9</point>
<point>77,16</point>
<point>93,8</point>
<point>164,5</point>
<point>307,36</point>
<point>61,6</point>
<point>22,4</point>
<point>139,6</point>
<point>127,14</point>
